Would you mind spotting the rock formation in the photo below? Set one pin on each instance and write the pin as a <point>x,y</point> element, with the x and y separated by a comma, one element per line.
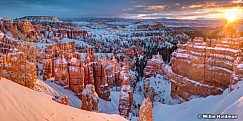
<point>76,77</point>
<point>27,30</point>
<point>47,68</point>
<point>63,100</point>
<point>152,68</point>
<point>2,28</point>
<point>101,84</point>
<point>97,75</point>
<point>89,98</point>
<point>74,73</point>
<point>61,71</point>
<point>146,111</point>
<point>18,69</point>
<point>6,45</point>
<point>148,90</point>
<point>36,28</point>
<point>126,94</point>
<point>14,31</point>
<point>201,68</point>
<point>40,18</point>
<point>18,61</point>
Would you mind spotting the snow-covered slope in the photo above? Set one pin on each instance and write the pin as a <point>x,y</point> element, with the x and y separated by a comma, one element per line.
<point>18,103</point>
<point>226,103</point>
<point>162,87</point>
<point>110,107</point>
<point>53,89</point>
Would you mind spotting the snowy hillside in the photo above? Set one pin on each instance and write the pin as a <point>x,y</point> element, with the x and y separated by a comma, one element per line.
<point>18,103</point>
<point>226,103</point>
<point>162,87</point>
<point>110,107</point>
<point>52,89</point>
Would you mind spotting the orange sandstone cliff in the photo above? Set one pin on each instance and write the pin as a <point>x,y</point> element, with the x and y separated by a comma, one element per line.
<point>200,69</point>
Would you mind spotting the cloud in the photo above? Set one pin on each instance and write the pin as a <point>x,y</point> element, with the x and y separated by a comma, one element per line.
<point>237,1</point>
<point>155,8</point>
<point>190,9</point>
<point>117,8</point>
<point>140,6</point>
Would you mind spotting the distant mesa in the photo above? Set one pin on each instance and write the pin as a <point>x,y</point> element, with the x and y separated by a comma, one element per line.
<point>40,18</point>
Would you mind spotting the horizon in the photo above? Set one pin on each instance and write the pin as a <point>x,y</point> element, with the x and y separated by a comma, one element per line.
<point>93,17</point>
<point>129,9</point>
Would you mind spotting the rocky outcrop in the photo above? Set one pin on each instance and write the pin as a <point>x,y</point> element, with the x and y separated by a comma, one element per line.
<point>2,28</point>
<point>152,68</point>
<point>126,94</point>
<point>28,29</point>
<point>18,61</point>
<point>14,31</point>
<point>40,18</point>
<point>103,73</point>
<point>89,98</point>
<point>76,75</point>
<point>47,68</point>
<point>61,71</point>
<point>101,84</point>
<point>200,69</point>
<point>148,90</point>
<point>63,100</point>
<point>146,111</point>
<point>55,50</point>
<point>18,69</point>
<point>6,45</point>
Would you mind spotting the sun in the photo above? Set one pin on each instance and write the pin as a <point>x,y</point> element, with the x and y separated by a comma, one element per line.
<point>232,14</point>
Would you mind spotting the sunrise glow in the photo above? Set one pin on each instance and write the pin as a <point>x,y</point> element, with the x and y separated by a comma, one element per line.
<point>232,14</point>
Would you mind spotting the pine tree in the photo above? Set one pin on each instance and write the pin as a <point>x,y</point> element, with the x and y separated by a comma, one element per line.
<point>145,112</point>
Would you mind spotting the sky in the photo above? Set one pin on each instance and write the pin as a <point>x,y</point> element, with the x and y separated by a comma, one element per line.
<point>140,9</point>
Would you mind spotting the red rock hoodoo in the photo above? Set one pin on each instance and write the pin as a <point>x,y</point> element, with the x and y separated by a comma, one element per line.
<point>89,98</point>
<point>126,94</point>
<point>152,68</point>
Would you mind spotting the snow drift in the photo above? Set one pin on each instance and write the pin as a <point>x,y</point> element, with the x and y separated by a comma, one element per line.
<point>226,103</point>
<point>18,103</point>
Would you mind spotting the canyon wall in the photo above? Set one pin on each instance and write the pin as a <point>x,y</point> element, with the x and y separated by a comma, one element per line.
<point>18,61</point>
<point>30,30</point>
<point>200,69</point>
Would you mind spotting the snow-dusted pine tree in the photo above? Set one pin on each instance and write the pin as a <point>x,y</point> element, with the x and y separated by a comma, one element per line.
<point>145,112</point>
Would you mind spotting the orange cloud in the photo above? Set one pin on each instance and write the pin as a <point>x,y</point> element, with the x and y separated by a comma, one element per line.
<point>156,8</point>
<point>195,6</point>
<point>205,5</point>
<point>206,10</point>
